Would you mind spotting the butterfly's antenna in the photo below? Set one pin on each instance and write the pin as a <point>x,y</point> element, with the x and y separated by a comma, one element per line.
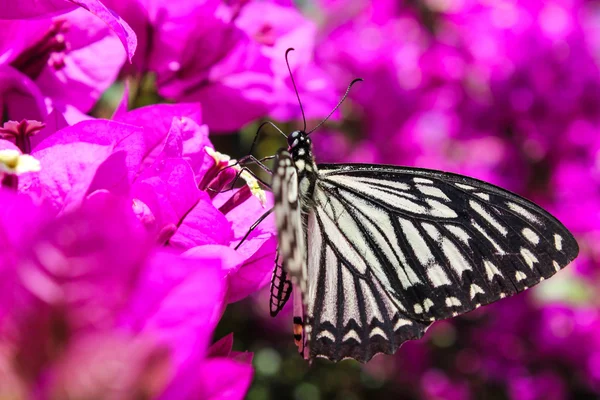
<point>258,132</point>
<point>295,88</point>
<point>337,106</point>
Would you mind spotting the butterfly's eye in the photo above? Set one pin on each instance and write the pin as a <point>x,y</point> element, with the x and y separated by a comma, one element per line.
<point>295,138</point>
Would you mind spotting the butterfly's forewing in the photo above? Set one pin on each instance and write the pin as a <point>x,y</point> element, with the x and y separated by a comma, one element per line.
<point>391,249</point>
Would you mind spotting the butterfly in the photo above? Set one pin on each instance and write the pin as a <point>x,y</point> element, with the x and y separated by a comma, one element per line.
<point>374,254</point>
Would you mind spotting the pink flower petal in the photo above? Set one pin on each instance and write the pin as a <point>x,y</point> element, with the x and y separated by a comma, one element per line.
<point>20,97</point>
<point>224,379</point>
<point>169,189</point>
<point>116,23</point>
<point>33,8</point>
<point>47,8</point>
<point>222,347</point>
<point>203,224</point>
<point>84,77</point>
<point>179,305</point>
<point>157,120</point>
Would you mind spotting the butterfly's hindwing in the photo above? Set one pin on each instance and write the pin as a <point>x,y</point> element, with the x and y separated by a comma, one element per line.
<point>281,288</point>
<point>287,216</point>
<point>351,316</point>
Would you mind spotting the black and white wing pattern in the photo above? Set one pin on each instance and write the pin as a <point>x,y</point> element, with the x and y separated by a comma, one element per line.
<point>281,288</point>
<point>392,249</point>
<point>288,218</point>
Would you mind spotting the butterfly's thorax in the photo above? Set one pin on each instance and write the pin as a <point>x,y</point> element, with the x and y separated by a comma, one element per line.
<point>300,147</point>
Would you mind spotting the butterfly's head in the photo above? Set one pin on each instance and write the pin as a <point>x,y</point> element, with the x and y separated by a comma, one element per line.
<point>299,140</point>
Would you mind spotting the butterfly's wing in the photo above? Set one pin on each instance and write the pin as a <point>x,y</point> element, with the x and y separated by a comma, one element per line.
<point>392,249</point>
<point>291,250</point>
<point>281,288</point>
<point>288,219</point>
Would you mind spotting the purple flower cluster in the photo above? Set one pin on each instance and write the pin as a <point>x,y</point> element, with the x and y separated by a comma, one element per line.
<point>118,235</point>
<point>508,92</point>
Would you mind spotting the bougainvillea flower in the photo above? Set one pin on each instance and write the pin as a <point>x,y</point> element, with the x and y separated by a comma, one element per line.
<point>185,217</point>
<point>20,98</point>
<point>172,200</point>
<point>60,56</point>
<point>137,327</point>
<point>71,158</point>
<point>159,119</point>
<point>49,8</point>
<point>204,57</point>
<point>13,162</point>
<point>277,28</point>
<point>199,55</point>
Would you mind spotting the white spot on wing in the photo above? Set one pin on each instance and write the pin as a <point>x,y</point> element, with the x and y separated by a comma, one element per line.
<point>531,235</point>
<point>558,242</point>
<point>432,191</point>
<point>483,196</point>
<point>556,265</point>
<point>377,331</point>
<point>522,212</point>
<point>453,302</point>
<point>422,180</point>
<point>491,269</point>
<point>463,186</point>
<point>519,275</point>
<point>475,289</point>
<point>326,334</point>
<point>401,322</point>
<point>393,200</point>
<point>360,183</point>
<point>351,335</point>
<point>418,309</point>
<point>427,304</point>
<point>293,191</point>
<point>528,256</point>
<point>457,261</point>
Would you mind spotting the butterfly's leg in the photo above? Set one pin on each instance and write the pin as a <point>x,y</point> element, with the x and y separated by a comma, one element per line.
<point>239,174</point>
<point>250,159</point>
<point>258,132</point>
<point>254,225</point>
<point>246,160</point>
